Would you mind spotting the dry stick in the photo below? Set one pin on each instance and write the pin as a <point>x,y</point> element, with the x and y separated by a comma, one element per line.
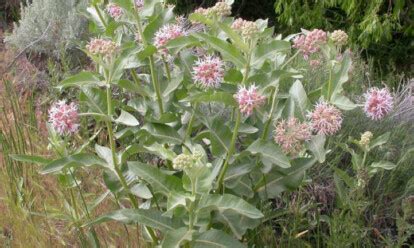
<point>27,47</point>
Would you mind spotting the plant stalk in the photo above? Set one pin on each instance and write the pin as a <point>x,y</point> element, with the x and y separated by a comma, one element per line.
<point>229,153</point>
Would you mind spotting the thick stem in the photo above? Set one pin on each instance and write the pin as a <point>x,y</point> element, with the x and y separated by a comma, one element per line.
<point>94,235</point>
<point>154,78</point>
<point>290,60</point>
<point>229,153</point>
<point>167,68</point>
<point>190,124</point>
<point>98,11</point>
<point>115,159</point>
<point>271,113</point>
<point>156,84</point>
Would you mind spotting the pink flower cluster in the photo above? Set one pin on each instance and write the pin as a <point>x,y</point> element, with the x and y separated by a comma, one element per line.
<point>325,119</point>
<point>378,103</point>
<point>209,72</point>
<point>64,118</point>
<point>291,134</point>
<point>248,99</point>
<point>311,42</point>
<point>168,32</point>
<point>101,47</point>
<point>114,11</point>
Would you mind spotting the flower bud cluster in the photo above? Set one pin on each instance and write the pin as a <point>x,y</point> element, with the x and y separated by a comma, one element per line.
<point>310,43</point>
<point>339,37</point>
<point>365,139</point>
<point>291,134</point>
<point>114,11</point>
<point>248,29</point>
<point>101,47</point>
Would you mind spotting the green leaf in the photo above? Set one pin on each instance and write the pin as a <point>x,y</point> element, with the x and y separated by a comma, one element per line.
<point>280,180</point>
<point>164,133</point>
<point>380,140</point>
<point>177,238</point>
<point>226,202</point>
<point>238,41</point>
<point>238,224</point>
<point>269,153</point>
<point>30,159</point>
<point>349,181</point>
<point>216,239</point>
<point>142,191</point>
<point>268,51</point>
<point>77,160</point>
<point>386,165</point>
<point>127,119</point>
<point>227,50</point>
<point>133,87</point>
<point>200,18</point>
<point>146,52</point>
<point>220,96</point>
<point>317,146</point>
<point>81,79</point>
<point>177,199</point>
<point>160,181</point>
<point>106,154</point>
<point>182,42</point>
<point>298,96</point>
<point>146,217</point>
<point>96,99</point>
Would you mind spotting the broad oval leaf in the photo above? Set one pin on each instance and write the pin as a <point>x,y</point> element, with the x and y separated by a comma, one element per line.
<point>77,160</point>
<point>81,79</point>
<point>216,239</point>
<point>147,217</point>
<point>226,202</point>
<point>270,153</point>
<point>127,119</point>
<point>160,181</point>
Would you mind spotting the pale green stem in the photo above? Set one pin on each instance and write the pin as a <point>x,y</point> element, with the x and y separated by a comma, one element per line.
<point>167,68</point>
<point>229,153</point>
<point>98,11</point>
<point>154,77</point>
<point>190,124</point>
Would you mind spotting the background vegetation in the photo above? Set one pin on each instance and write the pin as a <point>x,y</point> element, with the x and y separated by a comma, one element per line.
<point>382,30</point>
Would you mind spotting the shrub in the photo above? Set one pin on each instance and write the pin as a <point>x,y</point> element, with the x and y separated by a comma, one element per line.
<point>203,96</point>
<point>55,22</point>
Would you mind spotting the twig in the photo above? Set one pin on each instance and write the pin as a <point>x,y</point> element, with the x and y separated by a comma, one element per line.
<point>27,47</point>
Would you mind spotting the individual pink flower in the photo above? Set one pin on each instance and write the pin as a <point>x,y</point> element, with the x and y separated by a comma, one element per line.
<point>139,4</point>
<point>209,72</point>
<point>310,43</point>
<point>114,11</point>
<point>249,99</point>
<point>325,119</point>
<point>378,103</point>
<point>291,134</point>
<point>101,47</point>
<point>314,63</point>
<point>64,118</point>
<point>166,33</point>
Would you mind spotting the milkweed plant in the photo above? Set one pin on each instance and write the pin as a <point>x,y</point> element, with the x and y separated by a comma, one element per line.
<point>157,81</point>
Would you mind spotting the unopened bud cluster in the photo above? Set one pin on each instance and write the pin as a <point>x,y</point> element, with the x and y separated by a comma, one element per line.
<point>310,43</point>
<point>248,29</point>
<point>186,161</point>
<point>101,47</point>
<point>365,139</point>
<point>339,37</point>
<point>220,9</point>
